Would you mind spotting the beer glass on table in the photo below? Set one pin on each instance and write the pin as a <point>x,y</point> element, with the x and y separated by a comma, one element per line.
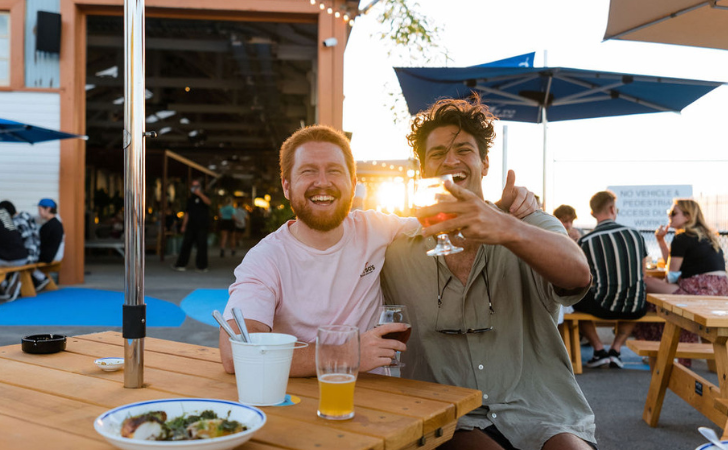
<point>337,366</point>
<point>394,314</point>
<point>428,192</point>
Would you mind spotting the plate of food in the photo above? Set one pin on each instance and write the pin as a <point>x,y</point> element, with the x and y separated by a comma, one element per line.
<point>109,364</point>
<point>185,423</point>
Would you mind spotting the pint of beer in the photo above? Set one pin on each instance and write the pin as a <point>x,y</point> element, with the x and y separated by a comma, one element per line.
<point>337,365</point>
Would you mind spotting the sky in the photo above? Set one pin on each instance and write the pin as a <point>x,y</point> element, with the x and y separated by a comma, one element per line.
<point>690,148</point>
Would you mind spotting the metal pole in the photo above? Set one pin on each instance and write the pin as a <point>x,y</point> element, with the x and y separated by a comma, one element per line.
<point>505,154</point>
<point>134,324</point>
<point>545,159</point>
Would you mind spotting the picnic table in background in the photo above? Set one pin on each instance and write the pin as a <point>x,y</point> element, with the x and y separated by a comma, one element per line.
<point>55,399</point>
<point>708,317</point>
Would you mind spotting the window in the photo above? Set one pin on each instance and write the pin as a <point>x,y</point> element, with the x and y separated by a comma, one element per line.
<point>4,48</point>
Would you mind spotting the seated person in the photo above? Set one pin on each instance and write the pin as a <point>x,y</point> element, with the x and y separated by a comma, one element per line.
<point>617,259</point>
<point>51,240</point>
<point>12,253</point>
<point>567,215</point>
<point>695,263</point>
<point>485,318</point>
<point>25,223</point>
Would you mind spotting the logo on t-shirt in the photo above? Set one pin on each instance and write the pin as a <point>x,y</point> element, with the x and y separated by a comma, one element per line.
<point>368,268</point>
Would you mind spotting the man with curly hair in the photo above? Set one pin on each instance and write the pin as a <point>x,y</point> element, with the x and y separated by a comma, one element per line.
<point>485,318</point>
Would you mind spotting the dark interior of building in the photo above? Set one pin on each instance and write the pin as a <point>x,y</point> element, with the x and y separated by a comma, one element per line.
<point>224,94</point>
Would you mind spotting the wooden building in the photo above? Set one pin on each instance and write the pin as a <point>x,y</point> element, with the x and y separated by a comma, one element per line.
<point>223,77</point>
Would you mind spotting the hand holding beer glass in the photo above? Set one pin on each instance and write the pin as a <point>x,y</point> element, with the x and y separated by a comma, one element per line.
<point>394,314</point>
<point>337,366</point>
<point>430,191</point>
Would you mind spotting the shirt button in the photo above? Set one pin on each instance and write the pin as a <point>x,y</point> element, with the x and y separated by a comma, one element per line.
<point>485,396</point>
<point>480,367</point>
<point>493,415</point>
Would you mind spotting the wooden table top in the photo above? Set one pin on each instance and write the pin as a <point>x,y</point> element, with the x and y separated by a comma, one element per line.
<point>657,273</point>
<point>55,399</point>
<point>705,310</point>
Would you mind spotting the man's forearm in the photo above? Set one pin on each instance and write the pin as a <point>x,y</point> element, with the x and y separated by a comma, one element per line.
<point>552,255</point>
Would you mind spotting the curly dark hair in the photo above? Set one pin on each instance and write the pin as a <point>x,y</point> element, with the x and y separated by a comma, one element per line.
<point>469,115</point>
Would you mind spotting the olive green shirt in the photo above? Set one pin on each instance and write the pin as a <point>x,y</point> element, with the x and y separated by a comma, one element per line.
<point>521,365</point>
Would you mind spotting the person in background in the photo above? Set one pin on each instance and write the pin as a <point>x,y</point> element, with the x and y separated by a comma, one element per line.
<point>241,222</point>
<point>567,215</point>
<point>25,223</point>
<point>695,264</point>
<point>194,227</point>
<point>485,318</point>
<point>227,226</point>
<point>12,253</point>
<point>616,255</point>
<point>51,240</point>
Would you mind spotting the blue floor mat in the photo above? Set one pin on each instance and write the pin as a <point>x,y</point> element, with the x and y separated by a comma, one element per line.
<point>202,302</point>
<point>84,307</point>
<point>630,359</point>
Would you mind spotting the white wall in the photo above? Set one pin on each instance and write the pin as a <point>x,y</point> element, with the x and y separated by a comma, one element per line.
<point>30,172</point>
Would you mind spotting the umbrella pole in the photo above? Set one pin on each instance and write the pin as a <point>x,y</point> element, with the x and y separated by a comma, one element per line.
<point>134,321</point>
<point>545,158</point>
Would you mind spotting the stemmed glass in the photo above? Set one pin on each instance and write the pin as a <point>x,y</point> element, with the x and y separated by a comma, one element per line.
<point>428,192</point>
<point>394,314</point>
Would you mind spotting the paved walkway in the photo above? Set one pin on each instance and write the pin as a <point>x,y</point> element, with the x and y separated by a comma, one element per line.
<point>616,396</point>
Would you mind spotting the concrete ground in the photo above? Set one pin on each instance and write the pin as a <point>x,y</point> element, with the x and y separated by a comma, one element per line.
<point>616,396</point>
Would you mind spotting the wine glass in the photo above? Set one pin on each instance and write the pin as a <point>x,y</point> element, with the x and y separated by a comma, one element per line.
<point>428,192</point>
<point>394,314</point>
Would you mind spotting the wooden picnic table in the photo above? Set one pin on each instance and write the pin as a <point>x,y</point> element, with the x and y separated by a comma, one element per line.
<point>657,273</point>
<point>52,400</point>
<point>708,317</point>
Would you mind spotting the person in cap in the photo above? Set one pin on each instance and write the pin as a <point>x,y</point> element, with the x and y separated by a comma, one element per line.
<point>51,240</point>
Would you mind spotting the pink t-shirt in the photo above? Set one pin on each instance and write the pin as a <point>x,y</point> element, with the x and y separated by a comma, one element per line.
<point>294,288</point>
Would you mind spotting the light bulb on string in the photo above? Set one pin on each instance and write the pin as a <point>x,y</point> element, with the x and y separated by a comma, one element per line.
<point>346,17</point>
<point>337,14</point>
<point>322,6</point>
<point>330,11</point>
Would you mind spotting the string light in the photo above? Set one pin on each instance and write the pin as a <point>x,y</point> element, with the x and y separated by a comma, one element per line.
<point>343,12</point>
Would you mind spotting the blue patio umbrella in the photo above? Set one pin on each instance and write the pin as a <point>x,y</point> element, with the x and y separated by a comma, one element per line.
<point>533,94</point>
<point>11,131</point>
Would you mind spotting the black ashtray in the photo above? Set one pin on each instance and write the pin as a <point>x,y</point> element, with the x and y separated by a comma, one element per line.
<point>44,343</point>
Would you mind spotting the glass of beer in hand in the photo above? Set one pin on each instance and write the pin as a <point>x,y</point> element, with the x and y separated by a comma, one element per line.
<point>337,366</point>
<point>428,192</point>
<point>394,314</point>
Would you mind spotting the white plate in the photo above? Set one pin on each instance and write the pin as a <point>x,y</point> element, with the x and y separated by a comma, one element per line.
<point>109,423</point>
<point>110,364</point>
<point>710,446</point>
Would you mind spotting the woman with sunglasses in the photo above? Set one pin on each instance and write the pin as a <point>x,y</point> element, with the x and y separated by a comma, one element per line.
<point>695,264</point>
<point>695,260</point>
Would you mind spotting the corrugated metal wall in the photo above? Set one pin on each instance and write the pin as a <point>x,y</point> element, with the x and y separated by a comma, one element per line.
<point>41,69</point>
<point>30,172</point>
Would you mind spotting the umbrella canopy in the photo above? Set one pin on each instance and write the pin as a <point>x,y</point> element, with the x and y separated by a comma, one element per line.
<point>521,94</point>
<point>11,131</point>
<point>696,23</point>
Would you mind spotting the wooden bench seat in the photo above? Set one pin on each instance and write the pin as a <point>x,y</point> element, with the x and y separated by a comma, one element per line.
<point>572,338</point>
<point>687,350</point>
<point>27,288</point>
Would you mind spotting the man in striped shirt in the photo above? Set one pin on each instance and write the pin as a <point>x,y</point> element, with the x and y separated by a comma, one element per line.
<point>616,255</point>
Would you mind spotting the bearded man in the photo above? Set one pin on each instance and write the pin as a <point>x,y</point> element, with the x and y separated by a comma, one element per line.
<point>323,268</point>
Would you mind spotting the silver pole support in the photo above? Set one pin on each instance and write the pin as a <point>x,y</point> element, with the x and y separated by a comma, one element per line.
<point>134,323</point>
